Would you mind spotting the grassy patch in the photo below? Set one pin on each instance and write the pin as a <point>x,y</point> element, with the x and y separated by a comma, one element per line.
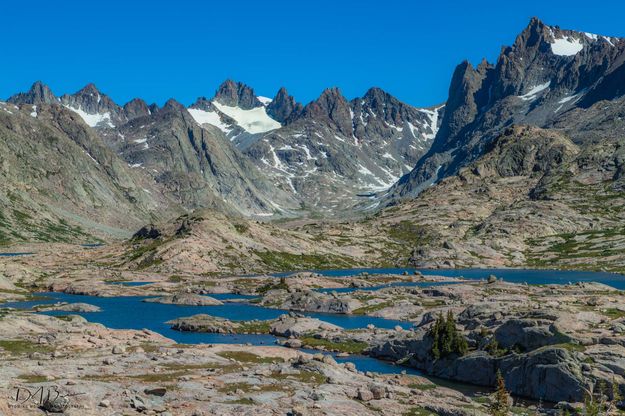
<point>351,347</point>
<point>18,347</point>
<point>248,357</point>
<point>365,310</point>
<point>613,313</point>
<point>419,411</point>
<point>254,327</point>
<point>278,260</point>
<point>33,378</point>
<point>422,387</point>
<point>304,376</point>
<point>248,388</point>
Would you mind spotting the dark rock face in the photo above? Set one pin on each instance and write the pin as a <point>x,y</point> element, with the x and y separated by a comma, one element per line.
<point>38,94</point>
<point>91,101</point>
<point>283,107</point>
<point>334,150</point>
<point>549,373</point>
<point>136,108</point>
<point>236,94</point>
<point>547,74</point>
<point>197,165</point>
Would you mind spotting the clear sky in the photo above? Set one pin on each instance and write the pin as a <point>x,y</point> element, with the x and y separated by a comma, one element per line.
<point>185,49</point>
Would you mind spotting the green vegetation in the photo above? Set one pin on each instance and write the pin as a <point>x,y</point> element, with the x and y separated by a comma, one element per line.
<point>281,285</point>
<point>446,339</point>
<point>241,228</point>
<point>33,378</point>
<point>422,387</point>
<point>351,347</point>
<point>365,310</point>
<point>494,349</point>
<point>247,387</point>
<point>282,261</point>
<point>599,402</point>
<point>419,411</point>
<point>248,357</point>
<point>304,376</point>
<point>18,347</point>
<point>254,327</point>
<point>613,313</point>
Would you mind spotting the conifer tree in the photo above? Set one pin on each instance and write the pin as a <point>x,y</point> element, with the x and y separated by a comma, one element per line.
<point>500,405</point>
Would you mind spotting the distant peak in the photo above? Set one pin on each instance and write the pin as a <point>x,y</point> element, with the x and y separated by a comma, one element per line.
<point>283,106</point>
<point>237,94</point>
<point>89,89</point>
<point>173,105</point>
<point>39,93</point>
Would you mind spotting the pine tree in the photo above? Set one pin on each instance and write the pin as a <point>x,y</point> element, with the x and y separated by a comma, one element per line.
<point>500,405</point>
<point>435,333</point>
<point>446,339</point>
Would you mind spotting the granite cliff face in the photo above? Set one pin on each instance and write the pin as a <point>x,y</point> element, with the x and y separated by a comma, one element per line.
<point>335,153</point>
<point>60,182</point>
<point>550,78</point>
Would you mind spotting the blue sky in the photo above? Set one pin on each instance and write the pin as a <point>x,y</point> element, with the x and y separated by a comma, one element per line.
<point>184,49</point>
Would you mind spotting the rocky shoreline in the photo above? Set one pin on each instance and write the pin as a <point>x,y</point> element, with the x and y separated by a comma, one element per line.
<point>552,343</point>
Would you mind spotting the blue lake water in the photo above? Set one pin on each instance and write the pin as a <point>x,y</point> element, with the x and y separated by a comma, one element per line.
<point>529,276</point>
<point>15,254</point>
<point>131,313</point>
<point>123,283</point>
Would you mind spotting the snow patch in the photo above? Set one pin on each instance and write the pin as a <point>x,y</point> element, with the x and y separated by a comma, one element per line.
<point>531,94</point>
<point>266,101</point>
<point>93,120</point>
<point>209,117</point>
<point>566,46</point>
<point>253,121</point>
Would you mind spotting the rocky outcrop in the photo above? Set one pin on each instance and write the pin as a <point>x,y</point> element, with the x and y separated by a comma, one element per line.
<point>205,323</point>
<point>312,301</point>
<point>38,94</point>
<point>188,299</point>
<point>69,307</point>
<point>283,107</point>
<point>293,325</point>
<point>237,94</point>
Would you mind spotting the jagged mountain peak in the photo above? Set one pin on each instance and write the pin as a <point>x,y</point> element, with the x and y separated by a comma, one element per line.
<point>173,105</point>
<point>237,94</point>
<point>90,88</point>
<point>283,106</point>
<point>136,108</point>
<point>39,93</point>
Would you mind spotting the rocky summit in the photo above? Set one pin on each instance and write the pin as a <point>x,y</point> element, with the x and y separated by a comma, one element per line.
<point>357,256</point>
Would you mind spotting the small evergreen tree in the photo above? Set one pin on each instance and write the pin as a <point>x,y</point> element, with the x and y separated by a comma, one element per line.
<point>446,339</point>
<point>435,334</point>
<point>500,405</point>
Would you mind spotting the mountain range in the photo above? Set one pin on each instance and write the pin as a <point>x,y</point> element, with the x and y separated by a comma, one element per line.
<point>532,135</point>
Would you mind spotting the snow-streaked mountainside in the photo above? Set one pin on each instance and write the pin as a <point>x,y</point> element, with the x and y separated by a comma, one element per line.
<point>549,78</point>
<point>325,157</point>
<point>271,158</point>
